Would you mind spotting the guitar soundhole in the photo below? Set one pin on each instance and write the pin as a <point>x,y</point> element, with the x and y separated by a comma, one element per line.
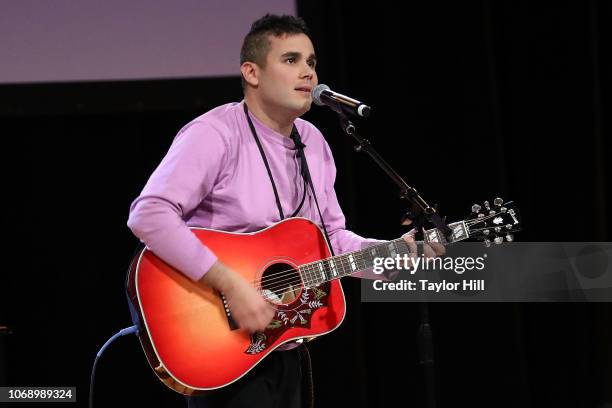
<point>281,283</point>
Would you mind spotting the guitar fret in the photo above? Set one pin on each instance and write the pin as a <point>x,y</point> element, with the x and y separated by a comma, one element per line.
<point>309,274</point>
<point>401,246</point>
<point>308,278</point>
<point>345,265</point>
<point>332,268</point>
<point>313,274</point>
<point>303,275</point>
<point>381,251</point>
<point>327,269</point>
<point>365,262</point>
<point>372,253</point>
<point>322,271</point>
<point>360,258</point>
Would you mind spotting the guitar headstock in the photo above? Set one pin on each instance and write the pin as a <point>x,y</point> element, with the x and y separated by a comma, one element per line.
<point>494,223</point>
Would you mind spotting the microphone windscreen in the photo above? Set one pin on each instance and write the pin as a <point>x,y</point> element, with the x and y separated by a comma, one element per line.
<point>316,93</point>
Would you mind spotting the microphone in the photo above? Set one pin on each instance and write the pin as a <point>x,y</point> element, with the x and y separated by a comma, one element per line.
<point>322,95</point>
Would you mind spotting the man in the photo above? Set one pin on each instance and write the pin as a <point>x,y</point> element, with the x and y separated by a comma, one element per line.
<point>236,168</point>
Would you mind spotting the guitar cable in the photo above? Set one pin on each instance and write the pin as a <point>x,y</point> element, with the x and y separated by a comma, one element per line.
<point>128,330</point>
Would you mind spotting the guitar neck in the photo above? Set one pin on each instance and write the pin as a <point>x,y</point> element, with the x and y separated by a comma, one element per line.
<point>316,273</point>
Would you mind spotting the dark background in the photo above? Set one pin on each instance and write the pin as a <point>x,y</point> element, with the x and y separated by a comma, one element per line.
<point>472,100</point>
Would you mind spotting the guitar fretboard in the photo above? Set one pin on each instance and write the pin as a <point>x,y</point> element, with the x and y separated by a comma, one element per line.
<point>316,273</point>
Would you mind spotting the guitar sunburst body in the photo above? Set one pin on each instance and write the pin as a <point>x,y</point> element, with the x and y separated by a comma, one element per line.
<point>187,333</point>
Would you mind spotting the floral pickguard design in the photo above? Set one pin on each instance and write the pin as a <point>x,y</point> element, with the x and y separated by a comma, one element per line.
<point>298,313</point>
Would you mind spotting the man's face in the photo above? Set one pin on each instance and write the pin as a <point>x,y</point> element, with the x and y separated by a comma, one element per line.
<point>289,75</point>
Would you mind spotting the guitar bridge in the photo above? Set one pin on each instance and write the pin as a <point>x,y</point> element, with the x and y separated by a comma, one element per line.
<point>228,313</point>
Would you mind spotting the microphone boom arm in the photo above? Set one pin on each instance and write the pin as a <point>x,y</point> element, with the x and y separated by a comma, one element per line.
<point>420,209</point>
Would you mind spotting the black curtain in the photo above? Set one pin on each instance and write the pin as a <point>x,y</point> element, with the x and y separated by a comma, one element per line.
<point>472,100</point>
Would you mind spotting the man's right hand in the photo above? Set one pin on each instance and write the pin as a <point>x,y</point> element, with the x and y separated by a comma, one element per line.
<point>248,307</point>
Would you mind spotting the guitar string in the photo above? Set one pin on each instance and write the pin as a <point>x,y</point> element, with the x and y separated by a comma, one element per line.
<point>490,228</point>
<point>309,269</point>
<point>342,260</point>
<point>488,216</point>
<point>290,277</point>
<point>478,220</point>
<point>343,264</point>
<point>286,278</point>
<point>284,274</point>
<point>313,263</point>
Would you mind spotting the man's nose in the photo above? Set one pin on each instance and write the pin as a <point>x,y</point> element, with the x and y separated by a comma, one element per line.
<point>308,72</point>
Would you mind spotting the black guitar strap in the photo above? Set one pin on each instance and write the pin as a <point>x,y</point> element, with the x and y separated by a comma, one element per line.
<point>295,135</point>
<point>305,172</point>
<point>265,160</point>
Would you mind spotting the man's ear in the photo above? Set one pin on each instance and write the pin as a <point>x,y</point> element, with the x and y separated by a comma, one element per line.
<point>250,73</point>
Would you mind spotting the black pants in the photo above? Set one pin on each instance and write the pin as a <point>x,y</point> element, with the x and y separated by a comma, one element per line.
<point>277,382</point>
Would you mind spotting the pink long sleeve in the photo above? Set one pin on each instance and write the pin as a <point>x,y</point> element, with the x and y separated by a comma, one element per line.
<point>176,188</point>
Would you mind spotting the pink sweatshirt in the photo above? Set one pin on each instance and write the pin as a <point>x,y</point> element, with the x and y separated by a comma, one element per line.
<point>213,176</point>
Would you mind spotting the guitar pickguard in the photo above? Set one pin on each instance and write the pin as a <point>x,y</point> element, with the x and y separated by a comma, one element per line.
<point>296,314</point>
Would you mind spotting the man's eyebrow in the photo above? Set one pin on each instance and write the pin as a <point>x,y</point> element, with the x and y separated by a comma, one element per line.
<point>296,54</point>
<point>292,54</point>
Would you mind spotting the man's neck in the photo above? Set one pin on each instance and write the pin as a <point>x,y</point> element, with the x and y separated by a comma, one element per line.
<point>276,121</point>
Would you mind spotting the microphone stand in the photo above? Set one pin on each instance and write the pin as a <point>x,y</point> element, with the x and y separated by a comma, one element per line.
<point>418,214</point>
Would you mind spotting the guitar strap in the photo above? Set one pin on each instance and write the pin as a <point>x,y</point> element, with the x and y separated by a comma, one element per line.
<point>295,135</point>
<point>305,172</point>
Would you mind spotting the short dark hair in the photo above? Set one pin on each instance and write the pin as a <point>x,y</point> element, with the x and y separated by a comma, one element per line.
<point>256,44</point>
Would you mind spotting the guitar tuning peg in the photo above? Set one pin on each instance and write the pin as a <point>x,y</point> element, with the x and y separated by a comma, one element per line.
<point>498,202</point>
<point>476,208</point>
<point>509,237</point>
<point>498,240</point>
<point>497,229</point>
<point>513,215</point>
<point>487,243</point>
<point>487,206</point>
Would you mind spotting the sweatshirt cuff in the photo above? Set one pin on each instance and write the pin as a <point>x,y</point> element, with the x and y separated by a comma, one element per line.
<point>205,260</point>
